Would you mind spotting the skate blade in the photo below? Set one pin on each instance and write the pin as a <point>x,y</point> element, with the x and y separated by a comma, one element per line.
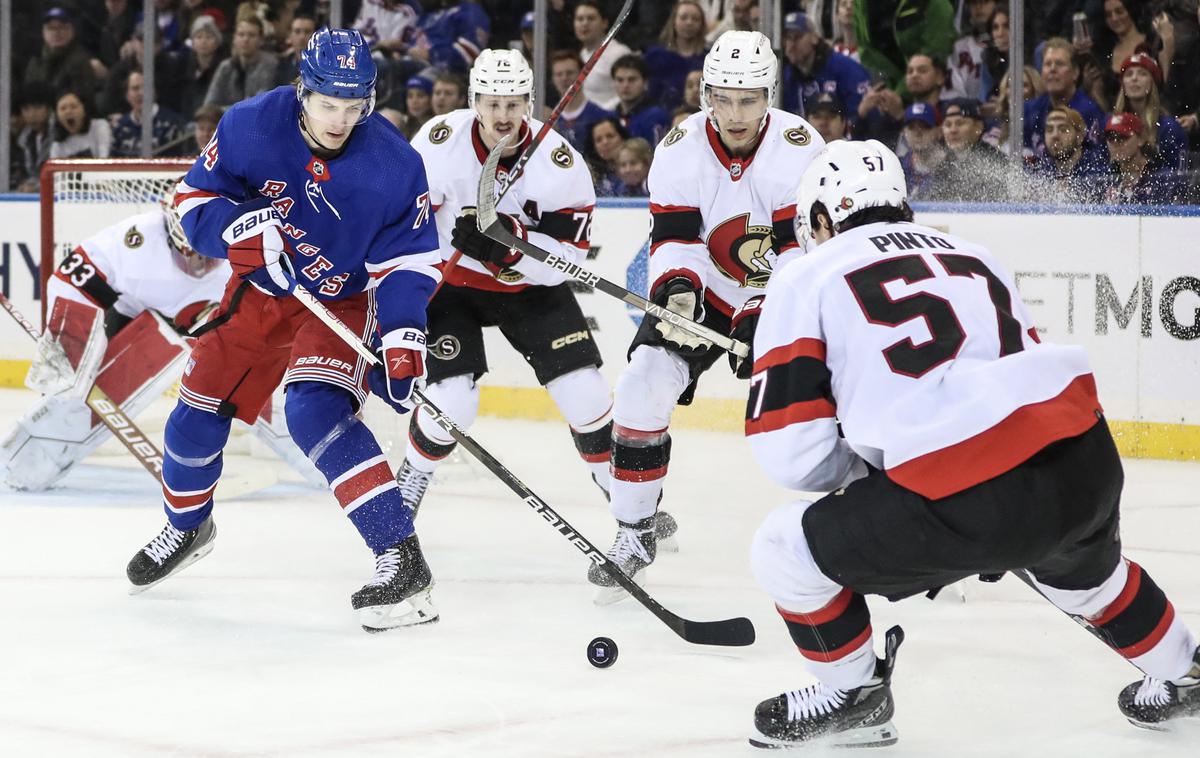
<point>412,611</point>
<point>616,593</point>
<point>880,735</point>
<point>136,589</point>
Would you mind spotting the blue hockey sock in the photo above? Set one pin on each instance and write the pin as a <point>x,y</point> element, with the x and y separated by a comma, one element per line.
<point>192,464</point>
<point>321,420</point>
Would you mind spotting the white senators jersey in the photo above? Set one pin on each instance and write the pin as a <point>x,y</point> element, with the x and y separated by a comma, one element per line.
<point>919,344</point>
<point>721,221</point>
<point>553,198</point>
<point>131,267</point>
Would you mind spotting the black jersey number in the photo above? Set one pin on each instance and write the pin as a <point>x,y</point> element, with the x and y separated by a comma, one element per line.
<point>947,335</point>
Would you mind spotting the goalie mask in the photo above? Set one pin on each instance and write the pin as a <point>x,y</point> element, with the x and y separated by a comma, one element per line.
<point>186,259</point>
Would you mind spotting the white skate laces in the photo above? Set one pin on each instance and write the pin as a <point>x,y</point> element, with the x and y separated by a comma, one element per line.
<point>813,701</point>
<point>626,545</point>
<point>387,564</point>
<point>164,545</point>
<point>412,485</point>
<point>1152,692</point>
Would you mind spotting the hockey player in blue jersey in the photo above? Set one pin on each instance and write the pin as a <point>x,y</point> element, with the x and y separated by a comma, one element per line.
<point>305,186</point>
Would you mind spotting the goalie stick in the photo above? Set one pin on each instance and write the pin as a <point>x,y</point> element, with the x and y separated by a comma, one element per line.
<point>733,632</point>
<point>489,223</point>
<point>109,413</point>
<point>548,124</point>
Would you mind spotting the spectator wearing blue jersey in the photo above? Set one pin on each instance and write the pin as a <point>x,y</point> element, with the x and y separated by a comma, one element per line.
<point>1137,174</point>
<point>1074,167</point>
<point>450,35</point>
<point>1060,75</point>
<point>640,116</point>
<point>680,50</point>
<point>925,150</point>
<point>812,66</point>
<point>576,120</point>
<point>1140,81</point>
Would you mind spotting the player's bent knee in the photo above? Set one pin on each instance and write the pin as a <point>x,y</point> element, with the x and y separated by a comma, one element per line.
<point>582,396</point>
<point>649,387</point>
<point>783,564</point>
<point>193,434</point>
<point>314,410</point>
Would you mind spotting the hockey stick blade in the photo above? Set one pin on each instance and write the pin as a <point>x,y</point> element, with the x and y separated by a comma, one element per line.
<point>488,222</point>
<point>736,632</point>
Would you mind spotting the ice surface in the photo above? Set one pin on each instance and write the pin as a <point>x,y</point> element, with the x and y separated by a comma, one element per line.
<point>254,651</point>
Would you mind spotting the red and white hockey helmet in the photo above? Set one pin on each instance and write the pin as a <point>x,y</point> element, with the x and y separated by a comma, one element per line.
<point>739,60</point>
<point>847,177</point>
<point>501,72</point>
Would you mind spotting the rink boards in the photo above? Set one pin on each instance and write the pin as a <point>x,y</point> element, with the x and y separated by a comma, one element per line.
<point>1125,286</point>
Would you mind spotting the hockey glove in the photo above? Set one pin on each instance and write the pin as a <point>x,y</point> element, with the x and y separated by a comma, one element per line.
<point>475,244</point>
<point>256,252</point>
<point>402,365</point>
<point>745,322</point>
<point>679,295</point>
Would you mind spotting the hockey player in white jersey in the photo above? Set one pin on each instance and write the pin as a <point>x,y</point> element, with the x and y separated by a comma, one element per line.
<point>549,204</point>
<point>721,197</point>
<point>967,447</point>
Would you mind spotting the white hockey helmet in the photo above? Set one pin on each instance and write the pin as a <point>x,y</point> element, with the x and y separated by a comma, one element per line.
<point>739,60</point>
<point>501,72</point>
<point>847,177</point>
<point>186,258</point>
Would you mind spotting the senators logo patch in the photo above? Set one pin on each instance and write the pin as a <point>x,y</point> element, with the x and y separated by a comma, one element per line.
<point>508,275</point>
<point>674,136</point>
<point>134,238</point>
<point>742,252</point>
<point>440,133</point>
<point>446,347</point>
<point>798,136</point>
<point>561,156</point>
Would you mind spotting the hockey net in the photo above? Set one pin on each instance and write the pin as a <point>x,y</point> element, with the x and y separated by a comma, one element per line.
<point>79,197</point>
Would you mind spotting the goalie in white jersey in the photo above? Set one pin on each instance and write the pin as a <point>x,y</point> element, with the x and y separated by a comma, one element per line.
<point>550,204</point>
<point>118,309</point>
<point>969,447</point>
<point>722,201</point>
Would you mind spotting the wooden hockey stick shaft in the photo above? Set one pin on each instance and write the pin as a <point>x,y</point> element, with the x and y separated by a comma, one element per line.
<point>109,413</point>
<point>519,166</point>
<point>489,223</point>
<point>728,632</point>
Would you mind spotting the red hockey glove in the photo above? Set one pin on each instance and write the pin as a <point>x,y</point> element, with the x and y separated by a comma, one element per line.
<point>403,358</point>
<point>745,322</point>
<point>256,254</point>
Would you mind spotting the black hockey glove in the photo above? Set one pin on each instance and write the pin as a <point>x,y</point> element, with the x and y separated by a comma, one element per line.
<point>680,295</point>
<point>475,244</point>
<point>745,323</point>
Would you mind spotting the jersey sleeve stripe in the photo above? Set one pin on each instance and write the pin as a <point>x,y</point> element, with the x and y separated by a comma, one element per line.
<point>783,230</point>
<point>87,278</point>
<point>564,225</point>
<point>675,223</point>
<point>1004,446</point>
<point>798,412</point>
<point>805,347</point>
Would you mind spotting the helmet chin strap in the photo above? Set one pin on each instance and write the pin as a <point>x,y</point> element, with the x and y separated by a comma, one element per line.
<point>330,152</point>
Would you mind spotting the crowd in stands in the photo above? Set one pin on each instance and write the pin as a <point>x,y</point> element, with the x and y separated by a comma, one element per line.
<point>1111,90</point>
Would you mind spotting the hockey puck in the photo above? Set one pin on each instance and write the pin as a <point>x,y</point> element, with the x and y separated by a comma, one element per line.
<point>602,652</point>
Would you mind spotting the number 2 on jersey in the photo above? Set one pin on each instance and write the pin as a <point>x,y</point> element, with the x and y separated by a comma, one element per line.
<point>946,330</point>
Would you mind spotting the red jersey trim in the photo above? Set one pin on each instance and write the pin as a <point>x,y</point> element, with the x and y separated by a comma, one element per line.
<point>481,151</point>
<point>796,413</point>
<point>786,213</point>
<point>805,347</point>
<point>1003,447</point>
<point>727,160</point>
<point>460,276</point>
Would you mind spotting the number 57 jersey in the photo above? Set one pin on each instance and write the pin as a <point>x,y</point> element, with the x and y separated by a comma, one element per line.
<point>919,344</point>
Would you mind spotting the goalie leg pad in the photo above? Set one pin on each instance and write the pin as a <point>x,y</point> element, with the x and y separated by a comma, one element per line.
<point>428,443</point>
<point>830,624</point>
<point>321,419</point>
<point>192,463</point>
<point>70,350</point>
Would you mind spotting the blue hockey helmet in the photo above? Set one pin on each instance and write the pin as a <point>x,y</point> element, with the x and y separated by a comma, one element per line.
<point>337,63</point>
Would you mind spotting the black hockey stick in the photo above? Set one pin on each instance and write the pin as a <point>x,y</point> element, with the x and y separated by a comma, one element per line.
<point>489,223</point>
<point>548,124</point>
<point>733,632</point>
<point>109,413</point>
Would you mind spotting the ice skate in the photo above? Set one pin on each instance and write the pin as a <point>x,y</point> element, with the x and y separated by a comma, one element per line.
<point>820,715</point>
<point>665,524</point>
<point>413,484</point>
<point>1151,703</point>
<point>399,593</point>
<point>169,553</point>
<point>632,551</point>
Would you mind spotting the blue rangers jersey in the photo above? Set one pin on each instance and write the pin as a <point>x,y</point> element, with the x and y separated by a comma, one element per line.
<point>360,220</point>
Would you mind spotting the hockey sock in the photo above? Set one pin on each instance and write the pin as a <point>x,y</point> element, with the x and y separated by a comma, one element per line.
<point>585,401</point>
<point>595,448</point>
<point>428,443</point>
<point>639,465</point>
<point>835,640</point>
<point>1141,625</point>
<point>321,420</point>
<point>191,464</point>
<point>424,453</point>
